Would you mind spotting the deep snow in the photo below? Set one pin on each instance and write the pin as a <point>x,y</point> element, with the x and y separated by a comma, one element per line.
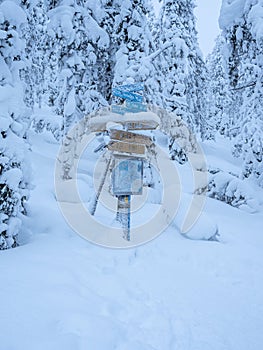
<point>59,291</point>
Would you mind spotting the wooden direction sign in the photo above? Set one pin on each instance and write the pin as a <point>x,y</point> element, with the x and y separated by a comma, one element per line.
<point>125,147</point>
<point>130,137</point>
<point>142,125</point>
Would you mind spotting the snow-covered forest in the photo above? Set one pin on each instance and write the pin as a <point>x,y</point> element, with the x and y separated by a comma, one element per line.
<point>59,62</point>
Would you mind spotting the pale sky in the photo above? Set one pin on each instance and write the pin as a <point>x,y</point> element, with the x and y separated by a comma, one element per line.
<point>207,13</point>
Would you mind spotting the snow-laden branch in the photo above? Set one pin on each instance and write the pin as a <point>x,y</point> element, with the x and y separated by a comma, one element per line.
<point>252,83</point>
<point>158,52</point>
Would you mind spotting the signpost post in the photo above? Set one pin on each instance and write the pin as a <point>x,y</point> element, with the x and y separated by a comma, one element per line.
<point>128,174</point>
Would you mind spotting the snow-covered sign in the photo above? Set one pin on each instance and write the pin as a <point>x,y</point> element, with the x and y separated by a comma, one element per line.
<point>125,147</point>
<point>129,107</point>
<point>119,109</point>
<point>127,176</point>
<point>130,121</point>
<point>130,137</point>
<point>135,107</point>
<point>129,92</point>
<point>131,87</point>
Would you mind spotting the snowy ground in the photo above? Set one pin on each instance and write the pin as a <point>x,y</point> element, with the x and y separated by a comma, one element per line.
<point>59,291</point>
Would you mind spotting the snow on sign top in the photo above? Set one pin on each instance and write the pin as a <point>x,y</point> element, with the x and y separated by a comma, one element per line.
<point>132,121</point>
<point>129,107</point>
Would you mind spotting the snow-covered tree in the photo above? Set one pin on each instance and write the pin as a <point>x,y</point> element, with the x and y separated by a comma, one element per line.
<point>196,80</point>
<point>173,60</point>
<point>36,52</point>
<point>14,168</point>
<point>77,42</point>
<point>77,45</point>
<point>105,16</point>
<point>135,54</point>
<point>219,92</point>
<point>241,22</point>
<point>181,70</point>
<point>184,73</point>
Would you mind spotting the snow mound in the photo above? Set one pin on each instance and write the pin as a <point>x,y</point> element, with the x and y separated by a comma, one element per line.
<point>234,191</point>
<point>203,229</point>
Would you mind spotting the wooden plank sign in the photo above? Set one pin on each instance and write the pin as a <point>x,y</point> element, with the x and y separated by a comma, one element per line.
<point>130,137</point>
<point>125,147</point>
<point>142,125</point>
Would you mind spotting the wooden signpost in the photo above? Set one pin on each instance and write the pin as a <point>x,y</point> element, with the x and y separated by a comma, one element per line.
<point>128,148</point>
<point>130,143</point>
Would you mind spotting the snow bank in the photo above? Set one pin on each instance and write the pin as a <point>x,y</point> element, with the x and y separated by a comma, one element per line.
<point>231,190</point>
<point>44,119</point>
<point>61,292</point>
<point>203,229</point>
<point>101,122</point>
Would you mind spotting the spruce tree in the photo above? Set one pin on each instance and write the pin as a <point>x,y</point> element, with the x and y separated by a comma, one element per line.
<point>219,92</point>
<point>77,41</point>
<point>36,52</point>
<point>181,70</point>
<point>134,47</point>
<point>14,168</point>
<point>245,42</point>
